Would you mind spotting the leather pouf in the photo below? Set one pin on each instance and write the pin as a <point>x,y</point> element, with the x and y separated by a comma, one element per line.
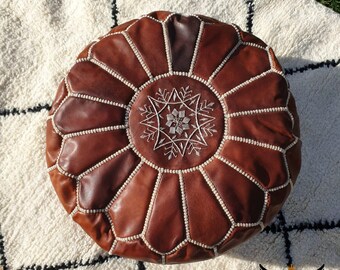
<point>173,138</point>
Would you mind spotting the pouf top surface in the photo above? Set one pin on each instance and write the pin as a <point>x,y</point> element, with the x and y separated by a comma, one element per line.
<point>173,138</point>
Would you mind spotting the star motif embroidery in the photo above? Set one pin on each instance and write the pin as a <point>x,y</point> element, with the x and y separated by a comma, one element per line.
<point>177,122</point>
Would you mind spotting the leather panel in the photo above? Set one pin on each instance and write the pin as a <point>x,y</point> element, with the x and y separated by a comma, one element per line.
<point>128,212</point>
<point>166,227</point>
<point>97,188</point>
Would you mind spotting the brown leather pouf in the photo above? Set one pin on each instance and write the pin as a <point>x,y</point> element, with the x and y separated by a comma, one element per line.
<point>173,138</point>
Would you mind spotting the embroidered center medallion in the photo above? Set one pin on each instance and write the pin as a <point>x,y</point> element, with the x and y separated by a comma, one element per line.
<point>177,121</point>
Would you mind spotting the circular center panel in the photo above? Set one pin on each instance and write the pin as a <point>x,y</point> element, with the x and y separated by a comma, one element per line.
<point>176,123</point>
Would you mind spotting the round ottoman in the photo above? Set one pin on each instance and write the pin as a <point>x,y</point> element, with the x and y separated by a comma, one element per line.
<point>173,138</point>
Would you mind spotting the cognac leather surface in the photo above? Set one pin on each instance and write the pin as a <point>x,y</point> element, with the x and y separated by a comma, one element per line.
<point>173,138</point>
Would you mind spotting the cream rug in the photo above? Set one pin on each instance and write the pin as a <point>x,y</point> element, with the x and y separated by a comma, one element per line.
<point>39,42</point>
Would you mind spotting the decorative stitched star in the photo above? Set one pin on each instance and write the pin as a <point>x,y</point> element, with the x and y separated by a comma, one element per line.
<point>178,122</point>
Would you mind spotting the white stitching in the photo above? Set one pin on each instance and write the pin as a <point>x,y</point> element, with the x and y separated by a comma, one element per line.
<point>113,73</point>
<point>217,195</point>
<point>237,31</point>
<point>167,47</point>
<point>289,180</point>
<point>62,171</point>
<point>253,45</point>
<point>224,61</point>
<point>200,244</point>
<point>181,244</point>
<point>137,54</point>
<point>193,60</point>
<point>252,79</point>
<point>90,211</point>
<point>127,181</point>
<point>184,206</point>
<point>151,203</point>
<point>79,60</point>
<point>120,151</point>
<point>97,99</point>
<point>238,169</point>
<point>94,130</point>
<point>49,169</point>
<point>74,211</point>
<point>56,129</point>
<point>257,143</point>
<point>257,111</point>
<point>227,234</point>
<point>114,243</point>
<point>152,18</point>
<point>169,16</point>
<point>129,238</point>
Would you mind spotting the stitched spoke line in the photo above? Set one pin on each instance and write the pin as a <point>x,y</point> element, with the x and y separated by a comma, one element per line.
<point>254,142</point>
<point>217,195</point>
<point>152,201</point>
<point>94,130</point>
<point>185,214</point>
<point>120,151</point>
<point>252,79</point>
<point>184,206</point>
<point>236,88</point>
<point>114,243</point>
<point>62,171</point>
<point>106,209</point>
<point>167,46</point>
<point>113,73</point>
<point>113,246</point>
<point>97,99</point>
<point>51,168</point>
<point>193,60</point>
<point>127,181</point>
<point>224,61</point>
<point>258,111</point>
<point>137,54</point>
<point>239,170</point>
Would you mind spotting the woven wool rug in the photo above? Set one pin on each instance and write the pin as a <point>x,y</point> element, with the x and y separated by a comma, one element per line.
<point>39,43</point>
